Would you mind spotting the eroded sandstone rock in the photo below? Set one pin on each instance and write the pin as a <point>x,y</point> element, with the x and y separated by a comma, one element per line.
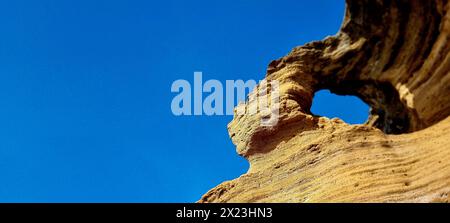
<point>395,56</point>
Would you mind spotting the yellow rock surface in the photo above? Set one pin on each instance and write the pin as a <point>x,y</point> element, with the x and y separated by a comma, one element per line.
<point>395,56</point>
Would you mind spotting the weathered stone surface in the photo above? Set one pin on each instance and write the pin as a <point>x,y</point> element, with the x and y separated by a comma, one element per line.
<point>395,56</point>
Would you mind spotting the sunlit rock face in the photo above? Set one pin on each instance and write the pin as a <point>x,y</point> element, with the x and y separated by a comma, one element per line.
<point>395,56</point>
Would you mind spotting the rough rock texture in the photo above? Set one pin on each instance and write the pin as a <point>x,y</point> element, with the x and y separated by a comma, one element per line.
<point>395,56</point>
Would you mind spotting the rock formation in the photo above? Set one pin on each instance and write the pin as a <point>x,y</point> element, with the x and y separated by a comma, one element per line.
<point>395,56</point>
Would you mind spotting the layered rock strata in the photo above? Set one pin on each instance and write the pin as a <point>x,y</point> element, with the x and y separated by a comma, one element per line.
<point>395,56</point>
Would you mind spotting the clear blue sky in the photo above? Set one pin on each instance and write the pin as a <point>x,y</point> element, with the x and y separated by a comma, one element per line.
<point>85,92</point>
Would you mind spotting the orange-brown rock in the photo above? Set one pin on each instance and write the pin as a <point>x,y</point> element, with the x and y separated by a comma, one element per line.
<point>395,56</point>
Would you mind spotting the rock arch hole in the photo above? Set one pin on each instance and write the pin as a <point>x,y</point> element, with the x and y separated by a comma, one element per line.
<point>350,109</point>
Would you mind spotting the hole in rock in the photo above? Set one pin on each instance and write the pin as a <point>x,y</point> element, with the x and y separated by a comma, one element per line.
<point>350,109</point>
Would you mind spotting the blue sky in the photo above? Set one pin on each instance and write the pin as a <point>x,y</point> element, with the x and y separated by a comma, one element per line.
<point>85,92</point>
